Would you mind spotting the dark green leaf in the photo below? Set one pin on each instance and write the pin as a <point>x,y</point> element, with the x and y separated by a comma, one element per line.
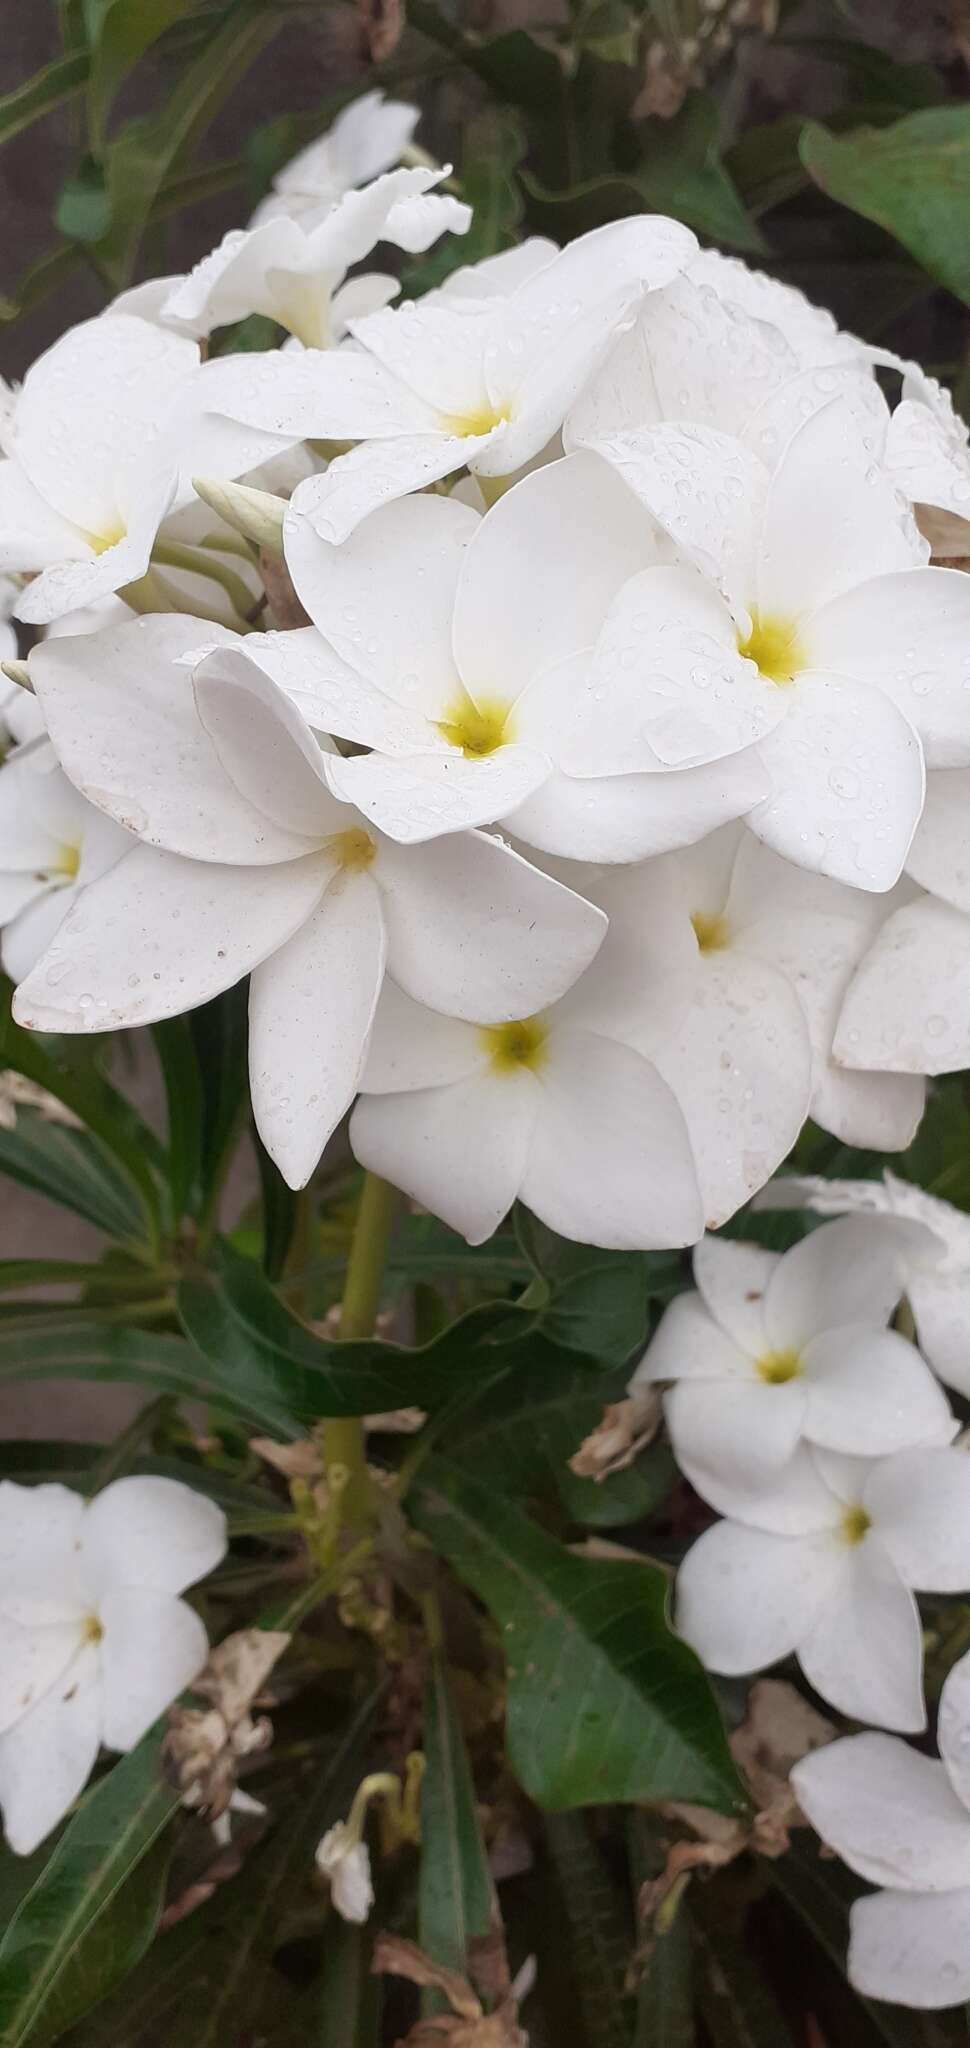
<point>912,178</point>
<point>48,88</point>
<point>455,1897</point>
<point>49,1344</point>
<point>270,1363</point>
<point>604,1703</point>
<point>73,1169</point>
<point>665,1992</point>
<point>83,210</point>
<point>94,1907</point>
<point>599,1930</point>
<point>738,2006</point>
<point>120,31</point>
<point>17,1274</point>
<point>184,1104</point>
<point>219,1035</point>
<point>280,1205</point>
<point>598,1301</point>
<point>347,2000</point>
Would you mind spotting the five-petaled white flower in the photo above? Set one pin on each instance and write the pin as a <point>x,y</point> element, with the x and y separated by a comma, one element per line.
<point>52,844</point>
<point>367,137</point>
<point>95,1640</point>
<point>901,1820</point>
<point>774,1350</point>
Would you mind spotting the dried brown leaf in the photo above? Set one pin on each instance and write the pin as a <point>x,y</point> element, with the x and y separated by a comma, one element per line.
<point>626,1428</point>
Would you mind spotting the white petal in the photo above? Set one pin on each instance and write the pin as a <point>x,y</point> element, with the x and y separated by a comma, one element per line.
<point>332,696</point>
<point>908,1007</point>
<point>741,1068</point>
<point>906,635</point>
<point>153,1533</point>
<point>38,1535</point>
<point>887,1811</point>
<point>745,1598</point>
<point>385,599</point>
<point>869,1392</point>
<point>337,394</point>
<point>832,518</point>
<point>460,1150</point>
<point>910,1949</point>
<point>941,1309</point>
<point>732,1277</point>
<point>413,1047</point>
<point>689,1344</point>
<point>475,931</point>
<point>436,349</point>
<point>264,744</point>
<point>26,940</point>
<point>32,1658</point>
<point>47,1757</point>
<point>667,684</point>
<point>634,817</point>
<point>920,1504</point>
<point>32,535</point>
<point>126,728</point>
<point>610,1161</point>
<point>378,471</point>
<point>953,1728</point>
<point>424,796</point>
<point>705,489</point>
<point>311,1007</point>
<point>497,276</point>
<point>848,781</point>
<point>852,1270</point>
<point>152,1648</point>
<point>527,595</point>
<point>864,1652</point>
<point>743,1431</point>
<point>159,934</point>
<point>71,586</point>
<point>797,1501</point>
<point>939,858</point>
<point>784,410</point>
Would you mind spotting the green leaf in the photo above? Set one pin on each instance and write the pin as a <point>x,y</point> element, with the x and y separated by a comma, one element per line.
<point>263,1357</point>
<point>604,1703</point>
<point>737,2005</point>
<point>83,210</point>
<point>680,173</point>
<point>54,1344</point>
<point>219,1036</point>
<point>93,1909</point>
<point>347,2001</point>
<point>455,1896</point>
<point>280,1207</point>
<point>598,1301</point>
<point>184,1105</point>
<point>599,1930</point>
<point>73,1169</point>
<point>49,88</point>
<point>120,31</point>
<point>912,178</point>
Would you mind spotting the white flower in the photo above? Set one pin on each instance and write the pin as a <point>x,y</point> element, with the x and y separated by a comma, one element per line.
<point>297,275</point>
<point>52,844</point>
<point>249,865</point>
<point>464,699</point>
<point>95,1642</point>
<point>823,1567</point>
<point>103,422</point>
<point>937,1264</point>
<point>344,1859</point>
<point>429,388</point>
<point>366,138</point>
<point>927,448</point>
<point>832,643</point>
<point>777,1349</point>
<point>554,1108</point>
<point>902,1821</point>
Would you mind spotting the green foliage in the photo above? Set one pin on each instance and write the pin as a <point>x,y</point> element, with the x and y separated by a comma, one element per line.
<point>456,1903</point>
<point>913,179</point>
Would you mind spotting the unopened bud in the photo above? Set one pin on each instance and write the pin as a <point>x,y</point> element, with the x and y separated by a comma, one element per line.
<point>257,515</point>
<point>18,672</point>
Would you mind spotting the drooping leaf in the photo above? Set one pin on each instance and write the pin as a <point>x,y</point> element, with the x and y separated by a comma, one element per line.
<point>94,1907</point>
<point>599,1930</point>
<point>120,31</point>
<point>455,1896</point>
<point>271,1363</point>
<point>604,1703</point>
<point>912,178</point>
<point>48,88</point>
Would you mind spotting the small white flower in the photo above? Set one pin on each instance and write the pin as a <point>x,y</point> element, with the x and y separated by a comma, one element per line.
<point>248,864</point>
<point>774,1350</point>
<point>823,1566</point>
<point>367,137</point>
<point>52,843</point>
<point>902,1821</point>
<point>95,1642</point>
<point>344,1858</point>
<point>431,387</point>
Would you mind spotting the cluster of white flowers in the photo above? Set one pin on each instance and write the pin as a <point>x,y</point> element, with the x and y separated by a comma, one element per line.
<point>94,1640</point>
<point>583,829</point>
<point>826,1443</point>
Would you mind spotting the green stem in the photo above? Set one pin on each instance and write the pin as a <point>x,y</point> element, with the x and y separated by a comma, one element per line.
<point>343,1435</point>
<point>176,554</point>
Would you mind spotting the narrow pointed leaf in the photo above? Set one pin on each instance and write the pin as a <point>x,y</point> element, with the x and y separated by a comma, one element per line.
<point>455,1896</point>
<point>49,88</point>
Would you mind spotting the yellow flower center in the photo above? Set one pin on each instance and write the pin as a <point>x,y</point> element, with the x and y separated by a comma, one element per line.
<point>855,1525</point>
<point>477,729</point>
<point>108,538</point>
<point>775,1367</point>
<point>520,1044</point>
<point>711,932</point>
<point>353,850</point>
<point>480,422</point>
<point>66,865</point>
<point>92,1630</point>
<point>773,646</point>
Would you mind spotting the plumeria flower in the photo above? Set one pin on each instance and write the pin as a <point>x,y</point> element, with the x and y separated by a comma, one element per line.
<point>830,642</point>
<point>367,137</point>
<point>432,388</point>
<point>823,1566</point>
<point>103,422</point>
<point>927,454</point>
<point>554,1108</point>
<point>248,865</point>
<point>96,1642</point>
<point>937,1265</point>
<point>775,1350</point>
<point>907,1009</point>
<point>464,701</point>
<point>297,276</point>
<point>52,844</point>
<point>901,1820</point>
